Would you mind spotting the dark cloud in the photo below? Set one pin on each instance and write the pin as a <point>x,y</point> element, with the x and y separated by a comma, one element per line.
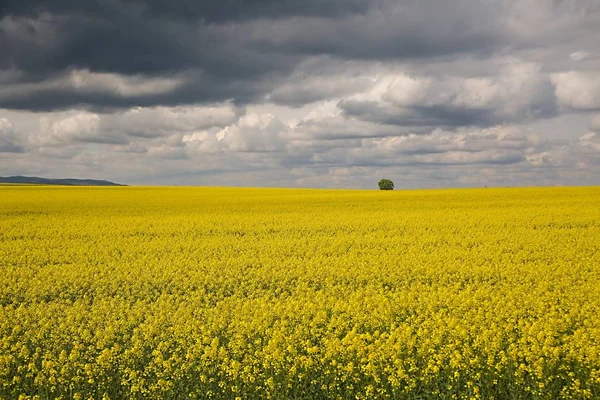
<point>415,116</point>
<point>46,47</point>
<point>111,92</point>
<point>245,51</point>
<point>211,12</point>
<point>399,30</point>
<point>138,37</point>
<point>237,50</point>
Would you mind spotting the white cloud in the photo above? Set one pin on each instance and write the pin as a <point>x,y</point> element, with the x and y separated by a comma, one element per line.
<point>202,142</point>
<point>591,140</point>
<point>520,92</point>
<point>326,149</point>
<point>578,90</point>
<point>495,145</point>
<point>125,86</point>
<point>139,123</point>
<point>86,82</point>
<point>303,90</point>
<point>252,133</point>
<point>407,90</point>
<point>82,127</point>
<point>164,121</point>
<point>579,55</point>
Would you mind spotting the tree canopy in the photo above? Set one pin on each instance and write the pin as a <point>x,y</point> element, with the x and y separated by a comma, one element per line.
<point>386,184</point>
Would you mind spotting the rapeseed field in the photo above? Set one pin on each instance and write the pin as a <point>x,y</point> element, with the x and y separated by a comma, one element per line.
<point>217,293</point>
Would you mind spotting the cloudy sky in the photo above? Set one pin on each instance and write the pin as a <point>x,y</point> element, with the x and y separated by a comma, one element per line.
<point>302,93</point>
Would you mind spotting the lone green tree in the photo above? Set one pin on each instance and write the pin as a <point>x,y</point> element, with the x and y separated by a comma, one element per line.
<point>386,184</point>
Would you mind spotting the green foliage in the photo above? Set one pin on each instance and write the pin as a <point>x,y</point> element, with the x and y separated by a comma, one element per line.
<point>386,184</point>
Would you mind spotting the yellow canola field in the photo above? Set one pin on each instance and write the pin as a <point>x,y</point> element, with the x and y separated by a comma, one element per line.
<point>218,293</point>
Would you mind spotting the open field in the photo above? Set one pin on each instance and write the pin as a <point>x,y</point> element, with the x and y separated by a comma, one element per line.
<point>221,293</point>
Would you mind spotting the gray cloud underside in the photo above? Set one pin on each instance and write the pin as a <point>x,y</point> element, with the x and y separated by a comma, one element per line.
<point>243,50</point>
<point>211,12</point>
<point>302,93</point>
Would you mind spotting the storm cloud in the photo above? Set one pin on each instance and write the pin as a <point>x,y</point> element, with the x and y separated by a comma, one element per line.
<point>302,93</point>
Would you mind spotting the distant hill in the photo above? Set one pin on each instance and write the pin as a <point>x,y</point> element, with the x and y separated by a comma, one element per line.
<point>32,180</point>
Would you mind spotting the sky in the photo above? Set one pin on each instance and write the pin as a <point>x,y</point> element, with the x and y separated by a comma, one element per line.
<point>302,93</point>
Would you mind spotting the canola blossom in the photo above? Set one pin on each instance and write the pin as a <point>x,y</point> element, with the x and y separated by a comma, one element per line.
<point>222,293</point>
